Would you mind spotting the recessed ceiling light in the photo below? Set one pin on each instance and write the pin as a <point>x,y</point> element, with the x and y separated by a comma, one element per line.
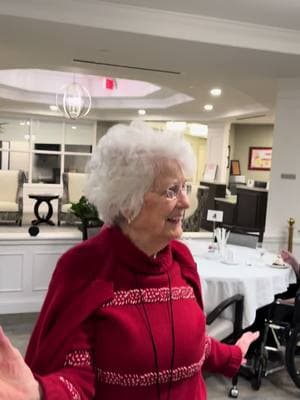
<point>208,107</point>
<point>215,92</point>
<point>142,112</point>
<point>22,123</point>
<point>53,107</point>
<point>74,127</point>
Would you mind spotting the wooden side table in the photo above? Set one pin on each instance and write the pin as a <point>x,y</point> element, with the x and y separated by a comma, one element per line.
<point>43,198</point>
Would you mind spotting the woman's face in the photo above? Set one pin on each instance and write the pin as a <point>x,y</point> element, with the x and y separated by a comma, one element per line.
<point>160,218</point>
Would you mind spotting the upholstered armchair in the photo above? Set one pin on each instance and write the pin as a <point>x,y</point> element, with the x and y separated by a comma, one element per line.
<point>11,196</point>
<point>73,184</point>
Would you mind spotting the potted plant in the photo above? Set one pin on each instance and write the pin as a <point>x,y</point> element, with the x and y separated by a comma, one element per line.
<point>88,215</point>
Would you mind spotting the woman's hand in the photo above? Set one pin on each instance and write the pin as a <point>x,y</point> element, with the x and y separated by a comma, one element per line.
<point>16,379</point>
<point>290,259</point>
<point>244,342</point>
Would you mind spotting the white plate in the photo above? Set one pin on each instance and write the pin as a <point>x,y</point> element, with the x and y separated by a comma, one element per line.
<point>230,262</point>
<point>211,255</point>
<point>278,266</point>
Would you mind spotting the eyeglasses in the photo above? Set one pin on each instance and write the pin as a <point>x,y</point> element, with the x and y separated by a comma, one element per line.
<point>175,190</point>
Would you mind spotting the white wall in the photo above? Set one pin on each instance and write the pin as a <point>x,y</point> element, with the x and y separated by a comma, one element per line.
<point>246,136</point>
<point>216,148</point>
<point>26,266</point>
<point>284,194</point>
<point>199,147</point>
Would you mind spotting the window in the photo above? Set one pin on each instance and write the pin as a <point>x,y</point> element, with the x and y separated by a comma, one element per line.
<point>46,168</point>
<point>44,149</point>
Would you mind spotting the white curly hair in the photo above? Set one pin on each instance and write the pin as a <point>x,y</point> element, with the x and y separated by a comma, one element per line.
<point>124,165</point>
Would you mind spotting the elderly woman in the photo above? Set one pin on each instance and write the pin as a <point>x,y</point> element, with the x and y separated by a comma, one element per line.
<point>123,317</point>
<point>292,260</point>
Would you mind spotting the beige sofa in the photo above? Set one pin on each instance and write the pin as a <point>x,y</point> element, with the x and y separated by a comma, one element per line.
<point>11,196</point>
<point>73,184</point>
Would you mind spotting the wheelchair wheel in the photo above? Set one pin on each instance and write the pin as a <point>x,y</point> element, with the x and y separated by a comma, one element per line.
<point>259,371</point>
<point>292,355</point>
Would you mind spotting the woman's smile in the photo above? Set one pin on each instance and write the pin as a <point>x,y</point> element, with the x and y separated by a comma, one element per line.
<point>175,220</point>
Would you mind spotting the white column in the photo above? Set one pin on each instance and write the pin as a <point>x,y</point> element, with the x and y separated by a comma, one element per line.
<point>284,193</point>
<point>216,148</point>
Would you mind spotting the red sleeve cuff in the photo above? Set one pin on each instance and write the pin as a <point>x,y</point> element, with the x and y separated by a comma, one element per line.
<point>57,387</point>
<point>235,361</point>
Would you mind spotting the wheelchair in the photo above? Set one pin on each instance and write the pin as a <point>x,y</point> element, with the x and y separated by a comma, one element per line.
<point>279,346</point>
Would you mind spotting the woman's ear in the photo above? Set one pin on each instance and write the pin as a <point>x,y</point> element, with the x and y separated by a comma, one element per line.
<point>126,215</point>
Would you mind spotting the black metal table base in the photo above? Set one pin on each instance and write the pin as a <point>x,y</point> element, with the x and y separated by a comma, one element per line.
<point>43,219</point>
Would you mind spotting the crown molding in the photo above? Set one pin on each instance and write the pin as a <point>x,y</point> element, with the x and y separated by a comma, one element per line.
<point>160,23</point>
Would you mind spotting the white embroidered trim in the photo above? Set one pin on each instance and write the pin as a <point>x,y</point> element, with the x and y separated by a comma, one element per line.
<point>114,378</point>
<point>147,379</point>
<point>151,295</point>
<point>78,358</point>
<point>74,393</point>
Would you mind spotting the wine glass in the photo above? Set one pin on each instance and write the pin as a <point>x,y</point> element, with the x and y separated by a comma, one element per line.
<point>260,250</point>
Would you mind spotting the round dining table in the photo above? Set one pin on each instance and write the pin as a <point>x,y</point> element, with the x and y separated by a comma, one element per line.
<point>247,272</point>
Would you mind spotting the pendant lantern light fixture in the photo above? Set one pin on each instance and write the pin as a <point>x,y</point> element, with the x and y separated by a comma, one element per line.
<point>74,100</point>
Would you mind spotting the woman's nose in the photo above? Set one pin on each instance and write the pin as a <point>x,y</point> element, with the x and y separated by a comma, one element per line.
<point>183,200</point>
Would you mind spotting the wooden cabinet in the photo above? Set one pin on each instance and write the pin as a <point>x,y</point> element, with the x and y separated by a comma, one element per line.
<point>228,208</point>
<point>215,190</point>
<point>251,208</point>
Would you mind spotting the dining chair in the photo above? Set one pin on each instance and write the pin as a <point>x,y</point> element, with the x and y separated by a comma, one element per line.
<point>242,239</point>
<point>226,330</point>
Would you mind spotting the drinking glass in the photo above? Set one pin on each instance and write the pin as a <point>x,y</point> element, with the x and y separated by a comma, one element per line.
<point>260,250</point>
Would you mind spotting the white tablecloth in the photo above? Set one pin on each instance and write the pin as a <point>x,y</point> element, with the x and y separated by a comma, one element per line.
<point>252,277</point>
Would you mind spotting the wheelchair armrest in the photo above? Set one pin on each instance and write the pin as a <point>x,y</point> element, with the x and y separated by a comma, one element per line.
<point>296,316</point>
<point>238,299</point>
<point>297,297</point>
<point>290,302</point>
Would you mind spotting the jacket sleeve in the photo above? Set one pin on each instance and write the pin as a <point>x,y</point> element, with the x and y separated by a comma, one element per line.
<point>222,358</point>
<point>75,378</point>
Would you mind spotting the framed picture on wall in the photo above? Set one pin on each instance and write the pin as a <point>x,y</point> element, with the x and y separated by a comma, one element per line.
<point>260,158</point>
<point>210,171</point>
<point>235,168</point>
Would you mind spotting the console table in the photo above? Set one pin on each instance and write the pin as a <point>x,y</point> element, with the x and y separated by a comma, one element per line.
<point>43,198</point>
